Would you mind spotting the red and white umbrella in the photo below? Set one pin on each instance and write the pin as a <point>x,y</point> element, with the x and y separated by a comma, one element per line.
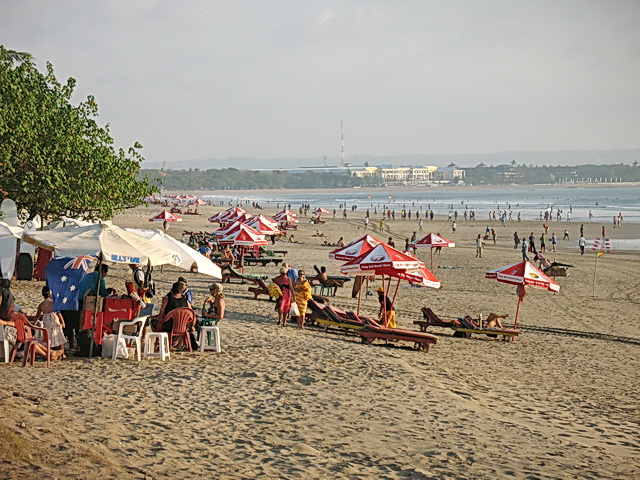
<point>423,276</point>
<point>355,248</point>
<point>380,256</point>
<point>264,225</point>
<point>284,214</point>
<point>432,240</point>
<point>320,211</point>
<point>245,237</point>
<point>523,274</point>
<point>165,216</point>
<point>228,229</point>
<point>220,216</point>
<point>383,260</point>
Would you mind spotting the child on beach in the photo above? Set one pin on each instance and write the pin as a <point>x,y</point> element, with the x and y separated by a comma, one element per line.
<point>53,322</point>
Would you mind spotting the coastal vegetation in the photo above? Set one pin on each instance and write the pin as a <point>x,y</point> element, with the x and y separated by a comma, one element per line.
<point>55,159</point>
<point>236,179</point>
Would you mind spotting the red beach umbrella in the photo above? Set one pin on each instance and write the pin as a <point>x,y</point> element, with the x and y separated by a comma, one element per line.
<point>165,216</point>
<point>320,211</point>
<point>523,274</point>
<point>355,248</point>
<point>264,225</point>
<point>383,260</point>
<point>244,236</point>
<point>284,214</point>
<point>432,240</point>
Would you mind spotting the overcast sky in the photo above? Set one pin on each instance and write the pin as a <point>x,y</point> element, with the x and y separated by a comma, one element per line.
<point>273,78</point>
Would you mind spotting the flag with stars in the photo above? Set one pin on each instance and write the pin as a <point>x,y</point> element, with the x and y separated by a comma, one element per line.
<point>63,275</point>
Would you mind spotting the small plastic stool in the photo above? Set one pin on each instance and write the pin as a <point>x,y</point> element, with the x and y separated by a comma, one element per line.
<point>205,338</point>
<point>322,290</point>
<point>163,346</point>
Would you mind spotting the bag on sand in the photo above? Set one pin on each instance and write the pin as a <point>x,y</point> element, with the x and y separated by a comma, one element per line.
<point>108,342</point>
<point>85,337</point>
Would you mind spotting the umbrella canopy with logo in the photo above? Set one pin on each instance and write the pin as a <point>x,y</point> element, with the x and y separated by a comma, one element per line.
<point>114,243</point>
<point>320,211</point>
<point>355,248</point>
<point>165,216</point>
<point>432,240</point>
<point>244,236</point>
<point>523,274</point>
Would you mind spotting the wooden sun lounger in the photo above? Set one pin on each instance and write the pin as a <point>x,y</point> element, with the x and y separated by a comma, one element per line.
<point>335,318</point>
<point>461,326</point>
<point>229,274</point>
<point>260,289</point>
<point>262,261</point>
<point>421,340</point>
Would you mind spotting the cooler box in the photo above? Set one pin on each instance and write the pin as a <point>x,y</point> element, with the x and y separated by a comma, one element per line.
<point>119,308</point>
<point>86,323</point>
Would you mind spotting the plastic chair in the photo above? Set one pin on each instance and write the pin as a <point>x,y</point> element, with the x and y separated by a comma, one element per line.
<point>4,343</point>
<point>25,335</point>
<point>182,317</point>
<point>131,341</point>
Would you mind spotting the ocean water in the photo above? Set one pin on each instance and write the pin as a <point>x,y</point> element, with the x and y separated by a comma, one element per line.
<point>530,201</point>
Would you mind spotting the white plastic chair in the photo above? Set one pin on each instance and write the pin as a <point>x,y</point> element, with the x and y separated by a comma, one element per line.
<point>131,341</point>
<point>6,352</point>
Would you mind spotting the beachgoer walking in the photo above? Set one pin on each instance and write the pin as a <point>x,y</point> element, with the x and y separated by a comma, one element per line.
<point>566,235</point>
<point>581,243</point>
<point>554,241</point>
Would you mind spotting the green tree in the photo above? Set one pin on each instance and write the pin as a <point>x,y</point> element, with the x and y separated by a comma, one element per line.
<point>54,157</point>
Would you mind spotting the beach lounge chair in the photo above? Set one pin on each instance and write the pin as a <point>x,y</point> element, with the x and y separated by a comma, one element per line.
<point>462,327</point>
<point>336,318</point>
<point>229,273</point>
<point>262,261</point>
<point>260,288</point>
<point>373,331</point>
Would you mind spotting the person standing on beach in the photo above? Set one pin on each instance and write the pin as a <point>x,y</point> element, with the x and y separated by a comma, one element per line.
<point>453,227</point>
<point>479,245</point>
<point>582,230</point>
<point>554,241</point>
<point>532,243</point>
<point>165,226</point>
<point>543,243</point>
<point>566,235</point>
<point>524,251</point>
<point>581,243</point>
<point>516,240</point>
<point>420,224</point>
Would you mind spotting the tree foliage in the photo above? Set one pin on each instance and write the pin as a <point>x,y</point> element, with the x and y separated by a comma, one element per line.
<point>55,159</point>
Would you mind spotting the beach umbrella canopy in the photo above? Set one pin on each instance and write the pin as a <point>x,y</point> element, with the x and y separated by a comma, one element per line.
<point>382,256</point>
<point>320,211</point>
<point>430,241</point>
<point>355,249</point>
<point>116,244</point>
<point>423,276</point>
<point>7,230</point>
<point>286,216</point>
<point>264,225</point>
<point>165,216</point>
<point>242,217</point>
<point>189,257</point>
<point>244,236</point>
<point>523,274</point>
<point>228,229</point>
<point>222,217</point>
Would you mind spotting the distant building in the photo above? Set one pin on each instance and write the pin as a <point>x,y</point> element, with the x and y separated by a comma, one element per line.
<point>449,173</point>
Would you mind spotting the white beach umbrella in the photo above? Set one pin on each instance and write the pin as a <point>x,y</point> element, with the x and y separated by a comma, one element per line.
<point>189,257</point>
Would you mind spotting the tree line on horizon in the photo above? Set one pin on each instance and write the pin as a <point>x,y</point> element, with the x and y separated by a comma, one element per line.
<point>238,179</point>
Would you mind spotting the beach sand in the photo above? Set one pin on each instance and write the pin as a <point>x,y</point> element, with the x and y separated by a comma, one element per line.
<point>279,403</point>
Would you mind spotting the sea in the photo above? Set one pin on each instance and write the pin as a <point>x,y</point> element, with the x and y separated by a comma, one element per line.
<point>530,201</point>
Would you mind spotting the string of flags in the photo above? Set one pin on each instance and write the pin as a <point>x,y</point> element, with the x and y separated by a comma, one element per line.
<point>602,246</point>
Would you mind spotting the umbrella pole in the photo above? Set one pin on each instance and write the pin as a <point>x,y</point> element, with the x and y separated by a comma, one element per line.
<point>515,321</point>
<point>95,306</point>
<point>395,294</point>
<point>431,258</point>
<point>359,296</point>
<point>384,304</point>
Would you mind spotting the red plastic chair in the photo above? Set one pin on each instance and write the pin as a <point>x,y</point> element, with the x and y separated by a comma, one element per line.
<point>25,336</point>
<point>182,317</point>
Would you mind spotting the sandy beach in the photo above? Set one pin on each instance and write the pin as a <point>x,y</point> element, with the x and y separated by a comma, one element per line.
<point>560,402</point>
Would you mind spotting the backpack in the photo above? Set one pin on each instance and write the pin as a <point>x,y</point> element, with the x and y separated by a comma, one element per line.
<point>149,284</point>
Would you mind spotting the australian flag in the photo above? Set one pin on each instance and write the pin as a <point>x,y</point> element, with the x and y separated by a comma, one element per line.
<point>63,275</point>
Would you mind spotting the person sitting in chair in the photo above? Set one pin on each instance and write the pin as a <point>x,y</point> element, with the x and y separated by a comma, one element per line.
<point>325,281</point>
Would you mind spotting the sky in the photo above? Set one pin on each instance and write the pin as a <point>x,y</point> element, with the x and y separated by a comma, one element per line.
<point>198,79</point>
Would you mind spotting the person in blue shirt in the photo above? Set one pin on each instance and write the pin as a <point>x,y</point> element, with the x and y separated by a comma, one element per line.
<point>292,273</point>
<point>88,284</point>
